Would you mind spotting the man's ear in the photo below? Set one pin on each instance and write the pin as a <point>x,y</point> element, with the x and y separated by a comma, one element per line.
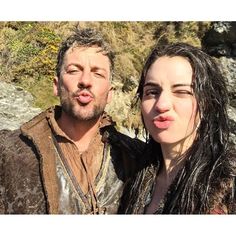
<point>55,86</point>
<point>110,93</point>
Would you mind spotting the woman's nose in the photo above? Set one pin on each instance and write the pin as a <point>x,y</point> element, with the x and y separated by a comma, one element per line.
<point>163,102</point>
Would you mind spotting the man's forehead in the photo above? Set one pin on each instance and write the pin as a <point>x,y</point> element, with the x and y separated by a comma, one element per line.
<point>79,48</point>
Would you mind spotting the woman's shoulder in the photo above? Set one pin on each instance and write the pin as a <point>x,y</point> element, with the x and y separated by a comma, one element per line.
<point>229,164</point>
<point>224,185</point>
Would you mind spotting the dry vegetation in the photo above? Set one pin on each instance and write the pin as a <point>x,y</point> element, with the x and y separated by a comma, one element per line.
<point>28,53</point>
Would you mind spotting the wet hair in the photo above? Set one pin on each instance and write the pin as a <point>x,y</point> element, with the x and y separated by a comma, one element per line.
<point>207,159</point>
<point>84,38</point>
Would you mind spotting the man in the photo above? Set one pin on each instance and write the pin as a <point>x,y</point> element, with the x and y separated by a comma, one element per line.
<point>70,159</point>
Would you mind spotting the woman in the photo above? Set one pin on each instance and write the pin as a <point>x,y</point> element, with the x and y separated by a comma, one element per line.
<point>190,167</point>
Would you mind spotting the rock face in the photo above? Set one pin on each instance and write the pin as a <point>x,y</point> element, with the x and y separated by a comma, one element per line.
<point>220,42</point>
<point>220,39</point>
<point>15,106</point>
<point>228,66</point>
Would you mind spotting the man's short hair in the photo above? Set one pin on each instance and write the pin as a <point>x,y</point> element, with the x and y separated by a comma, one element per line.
<point>84,38</point>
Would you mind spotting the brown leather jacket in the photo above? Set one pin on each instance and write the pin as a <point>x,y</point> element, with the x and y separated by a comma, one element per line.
<point>29,180</point>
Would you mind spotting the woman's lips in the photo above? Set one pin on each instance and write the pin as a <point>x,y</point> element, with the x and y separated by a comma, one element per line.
<point>163,122</point>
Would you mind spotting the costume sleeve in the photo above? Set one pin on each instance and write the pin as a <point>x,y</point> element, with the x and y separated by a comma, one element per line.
<point>2,188</point>
<point>218,211</point>
<point>3,134</point>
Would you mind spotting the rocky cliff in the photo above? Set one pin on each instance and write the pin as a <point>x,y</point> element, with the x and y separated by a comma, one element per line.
<point>220,42</point>
<point>15,106</point>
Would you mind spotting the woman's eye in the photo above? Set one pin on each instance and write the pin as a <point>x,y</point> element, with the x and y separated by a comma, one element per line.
<point>183,92</point>
<point>151,92</point>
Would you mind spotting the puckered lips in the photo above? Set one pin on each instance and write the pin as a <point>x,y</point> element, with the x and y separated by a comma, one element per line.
<point>84,97</point>
<point>163,122</point>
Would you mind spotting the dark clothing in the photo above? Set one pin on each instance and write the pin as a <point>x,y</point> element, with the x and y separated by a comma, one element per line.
<point>221,197</point>
<point>36,179</point>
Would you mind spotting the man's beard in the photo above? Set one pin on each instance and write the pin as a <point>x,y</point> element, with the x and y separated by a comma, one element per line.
<point>78,111</point>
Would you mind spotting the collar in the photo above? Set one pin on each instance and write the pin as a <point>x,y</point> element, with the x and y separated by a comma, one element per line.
<point>54,113</point>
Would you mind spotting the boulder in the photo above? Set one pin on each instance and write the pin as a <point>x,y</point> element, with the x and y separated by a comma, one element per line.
<point>15,106</point>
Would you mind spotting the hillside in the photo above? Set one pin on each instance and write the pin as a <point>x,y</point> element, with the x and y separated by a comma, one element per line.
<point>28,53</point>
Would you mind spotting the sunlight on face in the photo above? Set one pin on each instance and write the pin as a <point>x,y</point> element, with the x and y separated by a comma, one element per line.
<point>84,87</point>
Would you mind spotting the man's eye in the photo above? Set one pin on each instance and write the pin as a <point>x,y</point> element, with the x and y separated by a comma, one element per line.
<point>99,75</point>
<point>72,71</point>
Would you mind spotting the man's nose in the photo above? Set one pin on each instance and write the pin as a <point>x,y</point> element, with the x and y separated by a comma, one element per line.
<point>85,80</point>
<point>164,102</point>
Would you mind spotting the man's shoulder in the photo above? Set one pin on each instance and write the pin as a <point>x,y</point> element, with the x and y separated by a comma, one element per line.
<point>37,124</point>
<point>126,152</point>
<point>111,134</point>
<point>7,137</point>
<point>133,147</point>
<point>11,137</point>
<point>13,142</point>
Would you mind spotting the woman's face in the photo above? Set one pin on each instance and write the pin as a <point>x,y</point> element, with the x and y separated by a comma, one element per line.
<point>168,104</point>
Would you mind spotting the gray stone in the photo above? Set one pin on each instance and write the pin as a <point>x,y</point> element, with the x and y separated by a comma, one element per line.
<point>228,66</point>
<point>220,42</point>
<point>220,39</point>
<point>15,106</point>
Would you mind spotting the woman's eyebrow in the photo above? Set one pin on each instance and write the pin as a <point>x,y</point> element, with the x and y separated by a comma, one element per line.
<point>181,85</point>
<point>173,86</point>
<point>151,84</point>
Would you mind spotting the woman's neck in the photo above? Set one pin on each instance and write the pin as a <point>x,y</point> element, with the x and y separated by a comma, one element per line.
<point>173,160</point>
<point>173,154</point>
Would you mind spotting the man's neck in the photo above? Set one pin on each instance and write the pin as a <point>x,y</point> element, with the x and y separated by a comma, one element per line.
<point>81,132</point>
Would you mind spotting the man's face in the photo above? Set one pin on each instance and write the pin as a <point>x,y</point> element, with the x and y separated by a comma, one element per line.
<point>84,85</point>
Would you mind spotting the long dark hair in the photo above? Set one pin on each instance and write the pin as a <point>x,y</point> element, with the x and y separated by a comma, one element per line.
<point>207,159</point>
